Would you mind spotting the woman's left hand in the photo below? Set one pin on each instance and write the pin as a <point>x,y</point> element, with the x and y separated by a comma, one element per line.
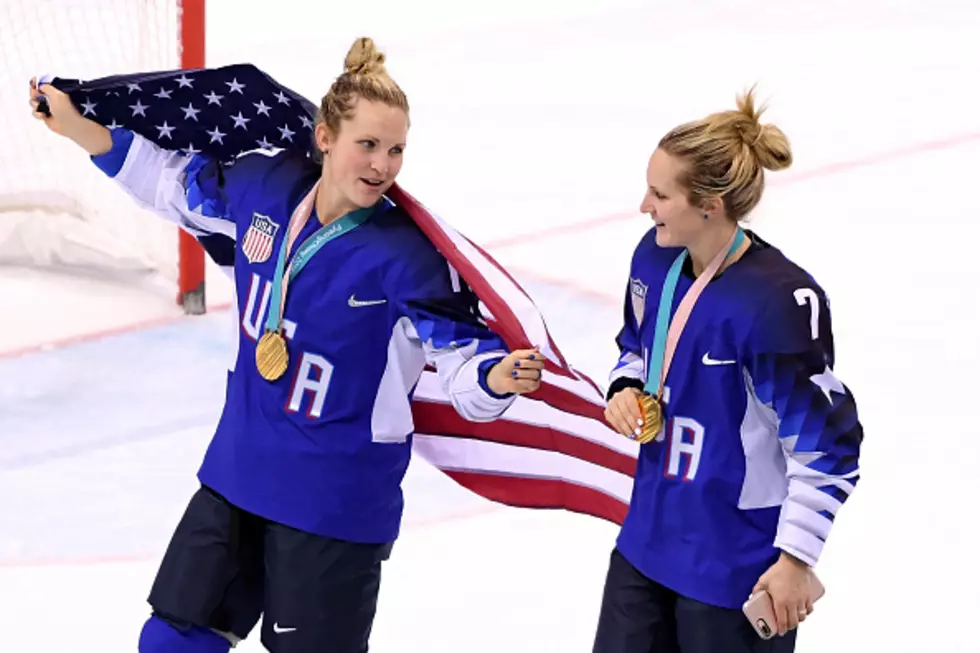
<point>788,583</point>
<point>518,373</point>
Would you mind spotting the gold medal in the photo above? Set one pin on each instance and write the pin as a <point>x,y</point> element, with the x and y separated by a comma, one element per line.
<point>653,418</point>
<point>271,357</point>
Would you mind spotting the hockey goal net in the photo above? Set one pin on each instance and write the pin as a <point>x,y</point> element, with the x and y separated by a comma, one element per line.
<point>57,209</point>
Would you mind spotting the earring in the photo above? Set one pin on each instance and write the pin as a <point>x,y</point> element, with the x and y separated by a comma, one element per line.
<point>705,216</point>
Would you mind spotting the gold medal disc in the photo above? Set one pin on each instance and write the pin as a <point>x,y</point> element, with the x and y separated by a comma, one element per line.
<point>271,357</point>
<point>653,418</point>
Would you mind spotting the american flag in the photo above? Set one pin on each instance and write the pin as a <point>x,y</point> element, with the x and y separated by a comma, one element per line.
<point>552,448</point>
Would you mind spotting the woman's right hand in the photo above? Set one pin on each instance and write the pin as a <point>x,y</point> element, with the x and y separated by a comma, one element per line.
<point>63,112</point>
<point>623,412</point>
<point>66,121</point>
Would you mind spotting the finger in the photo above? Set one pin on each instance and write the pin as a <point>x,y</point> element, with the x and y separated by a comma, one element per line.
<point>530,363</point>
<point>40,107</point>
<point>610,419</point>
<point>529,354</point>
<point>625,422</point>
<point>48,90</point>
<point>528,386</point>
<point>534,375</point>
<point>626,406</point>
<point>631,412</point>
<point>615,419</point>
<point>792,618</point>
<point>633,407</point>
<point>800,613</point>
<point>780,609</point>
<point>49,93</point>
<point>523,387</point>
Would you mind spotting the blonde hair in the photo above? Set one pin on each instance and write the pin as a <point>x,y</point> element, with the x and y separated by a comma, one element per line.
<point>364,76</point>
<point>724,155</point>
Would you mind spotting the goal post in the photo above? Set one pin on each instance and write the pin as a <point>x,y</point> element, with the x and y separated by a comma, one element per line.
<point>190,254</point>
<point>57,210</point>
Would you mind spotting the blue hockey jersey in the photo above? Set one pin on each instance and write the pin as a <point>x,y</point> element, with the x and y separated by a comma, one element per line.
<point>324,448</point>
<point>761,440</point>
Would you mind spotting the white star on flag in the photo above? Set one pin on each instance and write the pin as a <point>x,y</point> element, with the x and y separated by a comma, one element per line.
<point>216,135</point>
<point>139,109</point>
<point>240,120</point>
<point>164,130</point>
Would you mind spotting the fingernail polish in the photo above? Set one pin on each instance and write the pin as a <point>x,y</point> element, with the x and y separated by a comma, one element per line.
<point>531,357</point>
<point>513,373</point>
<point>517,363</point>
<point>639,422</point>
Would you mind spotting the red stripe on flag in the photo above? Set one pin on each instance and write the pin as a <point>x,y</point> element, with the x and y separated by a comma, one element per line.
<point>509,326</point>
<point>542,493</point>
<point>443,420</point>
<point>562,368</point>
<point>569,402</point>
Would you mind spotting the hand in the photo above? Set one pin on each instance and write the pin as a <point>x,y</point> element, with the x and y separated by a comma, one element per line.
<point>623,412</point>
<point>518,373</point>
<point>788,583</point>
<point>66,121</point>
<point>63,112</point>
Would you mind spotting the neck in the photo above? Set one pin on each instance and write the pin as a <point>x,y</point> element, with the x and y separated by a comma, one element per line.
<point>330,205</point>
<point>705,250</point>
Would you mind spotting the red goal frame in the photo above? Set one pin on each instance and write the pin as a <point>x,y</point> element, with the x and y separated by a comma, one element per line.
<point>190,254</point>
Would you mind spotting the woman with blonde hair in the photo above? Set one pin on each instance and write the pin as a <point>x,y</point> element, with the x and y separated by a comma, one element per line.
<point>749,442</point>
<point>342,303</point>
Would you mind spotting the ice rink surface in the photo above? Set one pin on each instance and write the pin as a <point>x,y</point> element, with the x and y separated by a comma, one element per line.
<point>531,129</point>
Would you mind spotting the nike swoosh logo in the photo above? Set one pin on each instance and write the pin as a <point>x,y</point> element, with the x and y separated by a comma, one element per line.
<point>708,360</point>
<point>277,630</point>
<point>354,303</point>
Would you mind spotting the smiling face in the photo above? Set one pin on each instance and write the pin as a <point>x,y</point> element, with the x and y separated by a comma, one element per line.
<point>365,156</point>
<point>679,224</point>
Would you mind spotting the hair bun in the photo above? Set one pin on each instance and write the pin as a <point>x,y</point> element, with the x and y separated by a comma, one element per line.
<point>767,142</point>
<point>363,58</point>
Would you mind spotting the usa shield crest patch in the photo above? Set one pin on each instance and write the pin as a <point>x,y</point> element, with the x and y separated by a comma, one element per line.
<point>638,296</point>
<point>257,243</point>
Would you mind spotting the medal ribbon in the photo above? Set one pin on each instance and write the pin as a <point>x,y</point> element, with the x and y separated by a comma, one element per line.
<point>664,340</point>
<point>326,233</point>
